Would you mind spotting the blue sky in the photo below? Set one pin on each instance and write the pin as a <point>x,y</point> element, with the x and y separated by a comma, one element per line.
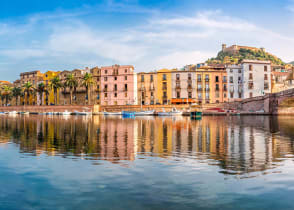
<point>149,34</point>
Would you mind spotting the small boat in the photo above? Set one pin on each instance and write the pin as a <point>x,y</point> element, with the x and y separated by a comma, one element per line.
<point>65,113</point>
<point>49,113</point>
<point>2,113</point>
<point>82,113</point>
<point>24,113</point>
<point>145,113</point>
<point>12,113</point>
<point>127,114</point>
<point>174,112</point>
<point>112,113</point>
<point>196,115</point>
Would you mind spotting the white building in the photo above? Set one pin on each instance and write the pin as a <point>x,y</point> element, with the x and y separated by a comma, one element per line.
<point>251,78</point>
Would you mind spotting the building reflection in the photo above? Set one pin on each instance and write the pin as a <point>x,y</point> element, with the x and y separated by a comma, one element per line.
<point>236,144</point>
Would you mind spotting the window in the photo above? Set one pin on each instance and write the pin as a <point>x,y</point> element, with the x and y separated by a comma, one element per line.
<point>217,87</point>
<point>265,68</point>
<point>224,78</point>
<point>98,87</point>
<point>126,77</point>
<point>231,70</point>
<point>142,78</point>
<point>98,79</point>
<point>105,87</point>
<point>105,71</point>
<point>250,95</point>
<point>115,78</point>
<point>199,95</point>
<point>206,78</point>
<point>126,87</point>
<point>225,87</point>
<point>231,79</point>
<point>199,77</point>
<point>240,95</point>
<point>164,86</point>
<point>126,70</point>
<point>216,79</point>
<point>151,93</point>
<point>126,94</point>
<point>164,77</point>
<point>115,87</point>
<point>250,67</point>
<point>266,86</point>
<point>225,95</point>
<point>189,76</point>
<point>207,87</point>
<point>151,78</point>
<point>231,94</point>
<point>105,79</point>
<point>239,71</point>
<point>250,85</point>
<point>265,77</point>
<point>105,95</point>
<point>115,95</point>
<point>178,95</point>
<point>189,94</point>
<point>206,95</point>
<point>250,76</point>
<point>217,94</point>
<point>164,94</point>
<point>199,87</point>
<point>178,76</point>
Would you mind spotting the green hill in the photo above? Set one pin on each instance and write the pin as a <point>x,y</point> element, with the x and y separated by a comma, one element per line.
<point>229,58</point>
<point>292,62</point>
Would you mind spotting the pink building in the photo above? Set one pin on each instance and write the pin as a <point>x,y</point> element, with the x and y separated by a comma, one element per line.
<point>118,85</point>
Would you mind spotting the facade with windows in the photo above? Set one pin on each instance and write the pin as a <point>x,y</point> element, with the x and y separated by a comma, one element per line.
<point>211,85</point>
<point>147,83</point>
<point>118,85</point>
<point>164,86</point>
<point>183,87</point>
<point>251,78</point>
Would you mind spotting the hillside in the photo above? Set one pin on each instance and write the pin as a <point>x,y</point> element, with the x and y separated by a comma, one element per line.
<point>292,62</point>
<point>229,58</point>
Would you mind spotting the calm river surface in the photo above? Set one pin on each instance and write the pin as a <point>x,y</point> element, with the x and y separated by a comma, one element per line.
<point>146,163</point>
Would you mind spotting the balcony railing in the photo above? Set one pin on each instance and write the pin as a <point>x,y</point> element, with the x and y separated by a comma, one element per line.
<point>206,79</point>
<point>207,89</point>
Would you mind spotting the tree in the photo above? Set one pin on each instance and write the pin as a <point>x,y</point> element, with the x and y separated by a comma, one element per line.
<point>55,84</point>
<point>71,82</point>
<point>28,89</point>
<point>88,82</point>
<point>41,89</point>
<point>17,92</point>
<point>6,92</point>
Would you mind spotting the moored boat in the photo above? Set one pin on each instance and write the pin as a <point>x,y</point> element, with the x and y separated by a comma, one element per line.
<point>174,112</point>
<point>12,113</point>
<point>112,113</point>
<point>145,113</point>
<point>65,113</point>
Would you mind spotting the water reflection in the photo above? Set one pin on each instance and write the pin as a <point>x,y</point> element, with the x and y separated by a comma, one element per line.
<point>236,144</point>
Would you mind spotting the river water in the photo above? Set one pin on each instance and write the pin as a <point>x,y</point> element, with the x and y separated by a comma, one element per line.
<point>76,162</point>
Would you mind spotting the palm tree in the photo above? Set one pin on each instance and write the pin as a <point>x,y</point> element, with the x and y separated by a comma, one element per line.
<point>6,92</point>
<point>41,89</point>
<point>28,88</point>
<point>16,92</point>
<point>88,82</point>
<point>54,85</point>
<point>72,83</point>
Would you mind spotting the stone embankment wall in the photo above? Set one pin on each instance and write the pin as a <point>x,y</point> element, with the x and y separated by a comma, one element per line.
<point>79,108</point>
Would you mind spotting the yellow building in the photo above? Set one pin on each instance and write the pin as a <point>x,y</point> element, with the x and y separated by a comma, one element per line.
<point>164,86</point>
<point>49,98</point>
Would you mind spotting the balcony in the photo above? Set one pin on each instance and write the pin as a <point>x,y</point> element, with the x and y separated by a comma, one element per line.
<point>206,79</point>
<point>207,89</point>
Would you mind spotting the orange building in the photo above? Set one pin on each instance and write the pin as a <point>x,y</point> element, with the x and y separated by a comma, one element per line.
<point>211,84</point>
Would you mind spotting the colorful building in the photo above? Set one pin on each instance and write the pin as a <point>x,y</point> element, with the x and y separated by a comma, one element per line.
<point>211,84</point>
<point>183,87</point>
<point>147,83</point>
<point>48,98</point>
<point>118,85</point>
<point>164,86</point>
